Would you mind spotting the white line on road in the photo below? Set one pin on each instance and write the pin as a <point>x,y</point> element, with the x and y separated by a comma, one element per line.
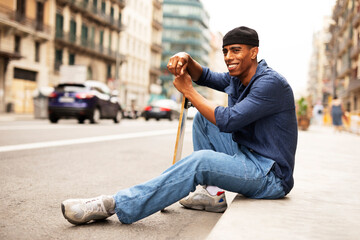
<point>86,140</point>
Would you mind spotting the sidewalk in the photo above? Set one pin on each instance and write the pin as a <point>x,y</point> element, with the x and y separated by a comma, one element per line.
<point>324,203</point>
<point>9,117</point>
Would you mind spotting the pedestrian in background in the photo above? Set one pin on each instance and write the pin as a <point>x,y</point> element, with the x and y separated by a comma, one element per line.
<point>337,112</point>
<point>318,113</point>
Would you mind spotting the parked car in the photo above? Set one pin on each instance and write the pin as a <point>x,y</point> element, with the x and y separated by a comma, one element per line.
<point>163,108</point>
<point>91,100</point>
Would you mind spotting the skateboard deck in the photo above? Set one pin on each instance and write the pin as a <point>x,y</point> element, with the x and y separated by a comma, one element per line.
<point>185,104</point>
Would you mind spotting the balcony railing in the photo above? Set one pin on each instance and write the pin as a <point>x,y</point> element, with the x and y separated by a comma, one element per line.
<point>10,15</point>
<point>86,45</point>
<point>95,13</point>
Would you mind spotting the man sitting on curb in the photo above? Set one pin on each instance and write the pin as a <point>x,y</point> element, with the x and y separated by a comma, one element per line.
<point>248,147</point>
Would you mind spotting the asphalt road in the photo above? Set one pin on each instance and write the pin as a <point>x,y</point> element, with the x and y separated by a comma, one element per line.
<point>42,164</point>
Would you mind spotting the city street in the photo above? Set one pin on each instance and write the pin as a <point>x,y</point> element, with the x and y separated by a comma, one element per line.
<point>42,164</point>
<point>34,181</point>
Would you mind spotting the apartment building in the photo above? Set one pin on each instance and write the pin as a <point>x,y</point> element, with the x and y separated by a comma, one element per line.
<point>87,32</point>
<point>141,44</point>
<point>37,37</point>
<point>344,53</point>
<point>186,28</point>
<point>319,82</point>
<point>25,32</point>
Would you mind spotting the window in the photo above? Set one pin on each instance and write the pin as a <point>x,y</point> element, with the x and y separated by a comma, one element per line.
<point>72,31</point>
<point>109,43</point>
<point>71,59</point>
<point>58,59</point>
<point>24,74</point>
<point>59,25</point>
<point>39,16</point>
<point>17,44</point>
<point>92,37</point>
<point>101,40</point>
<point>84,35</point>
<point>119,20</point>
<point>85,3</point>
<point>37,51</point>
<point>112,15</point>
<point>108,71</point>
<point>103,7</point>
<point>95,8</point>
<point>20,10</point>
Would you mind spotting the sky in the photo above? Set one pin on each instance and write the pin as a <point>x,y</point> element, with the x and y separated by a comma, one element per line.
<point>285,30</point>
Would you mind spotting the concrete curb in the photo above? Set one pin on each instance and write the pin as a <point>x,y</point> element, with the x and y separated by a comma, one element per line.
<point>324,203</point>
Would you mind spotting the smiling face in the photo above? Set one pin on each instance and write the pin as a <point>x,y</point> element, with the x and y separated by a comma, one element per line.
<point>241,61</point>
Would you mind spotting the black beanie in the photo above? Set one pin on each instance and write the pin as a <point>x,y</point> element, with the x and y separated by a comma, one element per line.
<point>241,35</point>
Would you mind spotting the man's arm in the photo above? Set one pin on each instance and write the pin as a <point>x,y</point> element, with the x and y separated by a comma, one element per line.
<point>183,83</point>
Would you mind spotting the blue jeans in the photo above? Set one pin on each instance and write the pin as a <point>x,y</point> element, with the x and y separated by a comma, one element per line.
<point>217,160</point>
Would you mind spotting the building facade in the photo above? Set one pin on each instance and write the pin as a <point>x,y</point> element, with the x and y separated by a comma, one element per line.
<point>344,53</point>
<point>25,33</point>
<point>186,29</point>
<point>118,42</point>
<point>141,44</point>
<point>319,82</point>
<point>87,32</point>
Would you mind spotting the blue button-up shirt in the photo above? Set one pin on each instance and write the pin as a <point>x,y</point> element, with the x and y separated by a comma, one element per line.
<point>260,116</point>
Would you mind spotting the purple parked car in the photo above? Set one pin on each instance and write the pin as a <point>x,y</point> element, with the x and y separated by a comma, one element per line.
<point>91,100</point>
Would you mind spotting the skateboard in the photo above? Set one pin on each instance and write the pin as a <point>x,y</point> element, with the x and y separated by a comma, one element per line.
<point>185,104</point>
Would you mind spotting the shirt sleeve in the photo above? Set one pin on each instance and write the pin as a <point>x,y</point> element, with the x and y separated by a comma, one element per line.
<point>266,97</point>
<point>214,80</point>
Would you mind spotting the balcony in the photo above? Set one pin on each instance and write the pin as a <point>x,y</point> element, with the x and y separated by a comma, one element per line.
<point>356,20</point>
<point>156,24</point>
<point>155,71</point>
<point>120,3</point>
<point>156,47</point>
<point>12,19</point>
<point>355,50</point>
<point>157,4</point>
<point>87,47</point>
<point>94,13</point>
<point>344,46</point>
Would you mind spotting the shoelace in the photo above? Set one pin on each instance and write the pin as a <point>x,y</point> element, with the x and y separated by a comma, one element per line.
<point>94,206</point>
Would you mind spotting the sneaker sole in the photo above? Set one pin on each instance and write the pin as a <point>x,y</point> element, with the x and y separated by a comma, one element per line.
<point>208,209</point>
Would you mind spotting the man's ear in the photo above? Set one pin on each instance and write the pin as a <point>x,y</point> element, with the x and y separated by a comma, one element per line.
<point>254,52</point>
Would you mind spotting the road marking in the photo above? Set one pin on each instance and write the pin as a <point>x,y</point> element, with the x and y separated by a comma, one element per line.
<point>34,127</point>
<point>86,140</point>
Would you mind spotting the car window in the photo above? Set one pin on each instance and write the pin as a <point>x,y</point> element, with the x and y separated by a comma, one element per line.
<point>98,86</point>
<point>70,88</point>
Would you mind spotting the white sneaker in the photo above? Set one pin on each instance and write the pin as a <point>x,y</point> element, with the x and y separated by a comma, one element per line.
<point>80,211</point>
<point>202,200</point>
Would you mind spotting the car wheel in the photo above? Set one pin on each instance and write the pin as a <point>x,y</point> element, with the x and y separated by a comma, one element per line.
<point>118,117</point>
<point>53,119</point>
<point>96,116</point>
<point>81,120</point>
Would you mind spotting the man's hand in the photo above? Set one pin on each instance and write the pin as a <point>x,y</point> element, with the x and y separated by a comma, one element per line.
<point>178,63</point>
<point>183,83</point>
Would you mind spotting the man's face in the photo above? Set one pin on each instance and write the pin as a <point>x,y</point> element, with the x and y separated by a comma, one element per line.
<point>238,59</point>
